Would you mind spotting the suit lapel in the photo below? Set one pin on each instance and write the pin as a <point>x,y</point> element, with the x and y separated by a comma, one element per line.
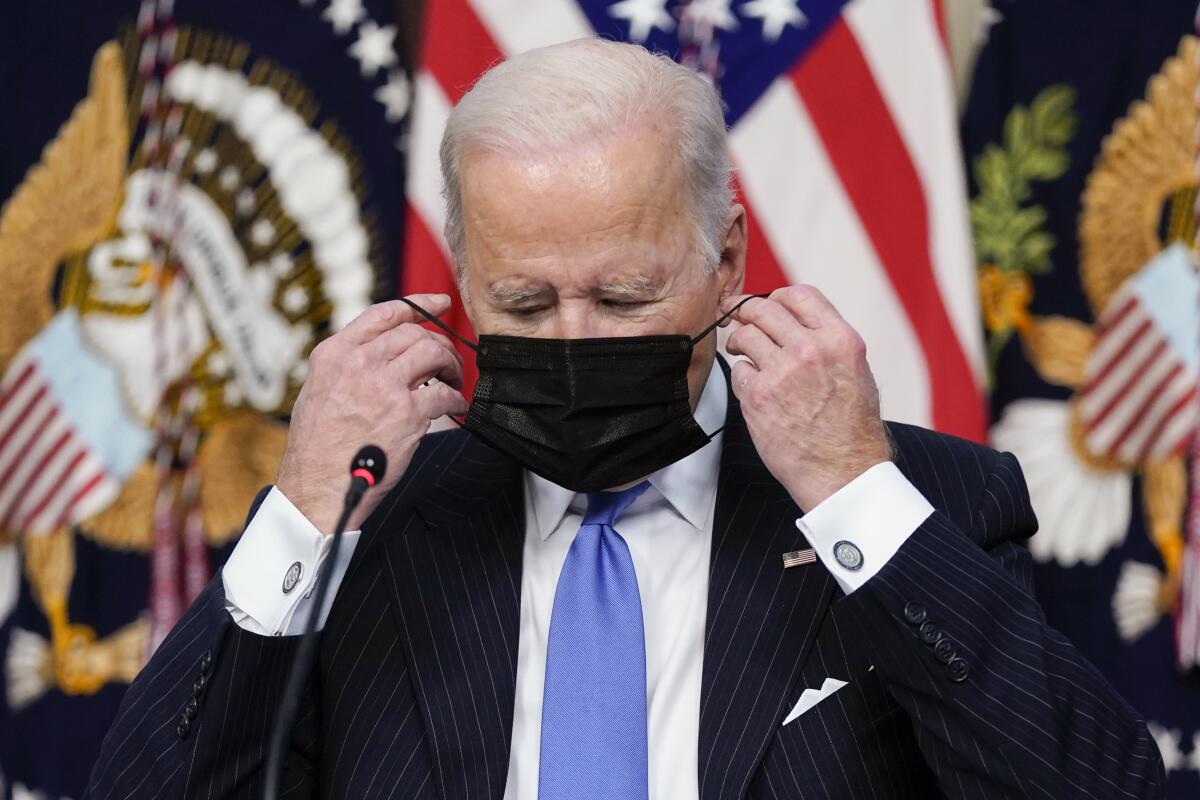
<point>762,619</point>
<point>455,570</point>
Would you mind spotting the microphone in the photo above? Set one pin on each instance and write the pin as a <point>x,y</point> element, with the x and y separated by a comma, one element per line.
<point>366,470</point>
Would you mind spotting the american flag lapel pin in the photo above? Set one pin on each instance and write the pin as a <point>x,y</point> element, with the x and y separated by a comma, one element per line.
<point>798,558</point>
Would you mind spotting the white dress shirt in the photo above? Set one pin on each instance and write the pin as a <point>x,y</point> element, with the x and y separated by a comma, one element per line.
<point>669,533</point>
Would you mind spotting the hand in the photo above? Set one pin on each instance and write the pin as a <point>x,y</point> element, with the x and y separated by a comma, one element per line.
<point>365,386</point>
<point>807,394</point>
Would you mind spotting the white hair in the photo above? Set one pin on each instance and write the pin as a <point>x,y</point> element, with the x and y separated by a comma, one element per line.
<point>550,99</point>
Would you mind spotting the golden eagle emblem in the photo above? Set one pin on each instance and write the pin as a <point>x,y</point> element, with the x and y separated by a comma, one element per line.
<point>183,243</point>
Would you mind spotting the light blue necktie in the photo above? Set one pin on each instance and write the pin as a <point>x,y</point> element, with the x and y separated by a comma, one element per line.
<point>594,702</point>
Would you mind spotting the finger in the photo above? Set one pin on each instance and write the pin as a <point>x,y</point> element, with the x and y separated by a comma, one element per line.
<point>427,359</point>
<point>751,342</point>
<point>390,344</point>
<point>439,399</point>
<point>772,319</point>
<point>807,304</point>
<point>740,375</point>
<point>385,316</point>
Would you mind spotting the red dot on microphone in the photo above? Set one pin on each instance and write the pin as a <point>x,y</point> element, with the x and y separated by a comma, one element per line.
<point>365,475</point>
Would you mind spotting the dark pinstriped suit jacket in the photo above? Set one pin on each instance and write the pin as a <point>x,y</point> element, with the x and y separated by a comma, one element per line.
<point>413,697</point>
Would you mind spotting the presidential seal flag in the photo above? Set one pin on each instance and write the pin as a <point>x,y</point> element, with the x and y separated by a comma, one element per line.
<point>191,201</point>
<point>863,198</point>
<point>1081,138</point>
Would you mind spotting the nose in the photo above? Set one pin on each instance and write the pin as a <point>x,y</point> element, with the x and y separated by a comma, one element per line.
<point>574,320</point>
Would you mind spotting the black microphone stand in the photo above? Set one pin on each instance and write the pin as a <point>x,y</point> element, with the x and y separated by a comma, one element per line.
<point>366,470</point>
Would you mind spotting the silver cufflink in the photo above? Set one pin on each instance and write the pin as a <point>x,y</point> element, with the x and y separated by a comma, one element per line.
<point>848,555</point>
<point>292,577</point>
<point>798,558</point>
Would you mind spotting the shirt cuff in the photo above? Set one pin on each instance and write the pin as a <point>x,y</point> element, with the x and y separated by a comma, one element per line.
<point>272,571</point>
<point>857,529</point>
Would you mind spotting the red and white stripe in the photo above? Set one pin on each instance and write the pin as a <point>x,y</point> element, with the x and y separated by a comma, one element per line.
<point>1139,401</point>
<point>849,168</point>
<point>48,475</point>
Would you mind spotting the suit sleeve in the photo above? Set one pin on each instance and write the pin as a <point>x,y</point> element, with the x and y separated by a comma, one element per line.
<point>1002,704</point>
<point>196,720</point>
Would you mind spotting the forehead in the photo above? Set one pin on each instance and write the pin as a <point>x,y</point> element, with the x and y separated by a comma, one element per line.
<point>604,205</point>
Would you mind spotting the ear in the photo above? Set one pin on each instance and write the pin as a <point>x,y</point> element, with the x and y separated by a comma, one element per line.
<point>731,272</point>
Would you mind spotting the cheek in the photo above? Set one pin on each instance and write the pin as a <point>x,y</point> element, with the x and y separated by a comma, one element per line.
<point>702,294</point>
<point>703,355</point>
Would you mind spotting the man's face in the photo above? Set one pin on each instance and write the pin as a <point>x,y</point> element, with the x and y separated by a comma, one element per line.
<point>594,243</point>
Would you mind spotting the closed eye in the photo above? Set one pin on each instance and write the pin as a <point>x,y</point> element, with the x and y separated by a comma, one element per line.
<point>625,304</point>
<point>526,312</point>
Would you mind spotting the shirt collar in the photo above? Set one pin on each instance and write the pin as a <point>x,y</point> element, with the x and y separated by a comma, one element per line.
<point>689,484</point>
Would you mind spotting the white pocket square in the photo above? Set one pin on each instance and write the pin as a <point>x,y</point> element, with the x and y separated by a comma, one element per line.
<point>810,697</point>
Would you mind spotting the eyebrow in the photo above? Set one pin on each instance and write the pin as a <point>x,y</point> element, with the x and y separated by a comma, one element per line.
<point>638,287</point>
<point>511,295</point>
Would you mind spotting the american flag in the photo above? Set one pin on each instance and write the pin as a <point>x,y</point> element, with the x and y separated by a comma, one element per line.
<point>66,442</point>
<point>1139,398</point>
<point>46,468</point>
<point>843,134</point>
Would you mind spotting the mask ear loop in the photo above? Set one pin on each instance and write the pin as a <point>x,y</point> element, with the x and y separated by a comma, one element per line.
<point>447,329</point>
<point>713,327</point>
<point>726,316</point>
<point>431,318</point>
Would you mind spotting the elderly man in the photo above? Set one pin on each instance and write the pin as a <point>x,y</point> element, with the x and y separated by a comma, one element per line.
<point>780,596</point>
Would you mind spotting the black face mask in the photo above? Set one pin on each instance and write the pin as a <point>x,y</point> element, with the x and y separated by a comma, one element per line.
<point>586,414</point>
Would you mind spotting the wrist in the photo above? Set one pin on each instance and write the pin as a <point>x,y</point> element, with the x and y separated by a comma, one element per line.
<point>816,489</point>
<point>320,508</point>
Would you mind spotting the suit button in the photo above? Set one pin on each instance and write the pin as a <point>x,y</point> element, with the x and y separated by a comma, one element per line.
<point>191,708</point>
<point>944,651</point>
<point>959,670</point>
<point>183,728</point>
<point>199,686</point>
<point>206,661</point>
<point>915,613</point>
<point>929,632</point>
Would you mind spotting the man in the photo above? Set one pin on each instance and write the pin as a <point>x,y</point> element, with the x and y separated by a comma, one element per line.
<point>498,633</point>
